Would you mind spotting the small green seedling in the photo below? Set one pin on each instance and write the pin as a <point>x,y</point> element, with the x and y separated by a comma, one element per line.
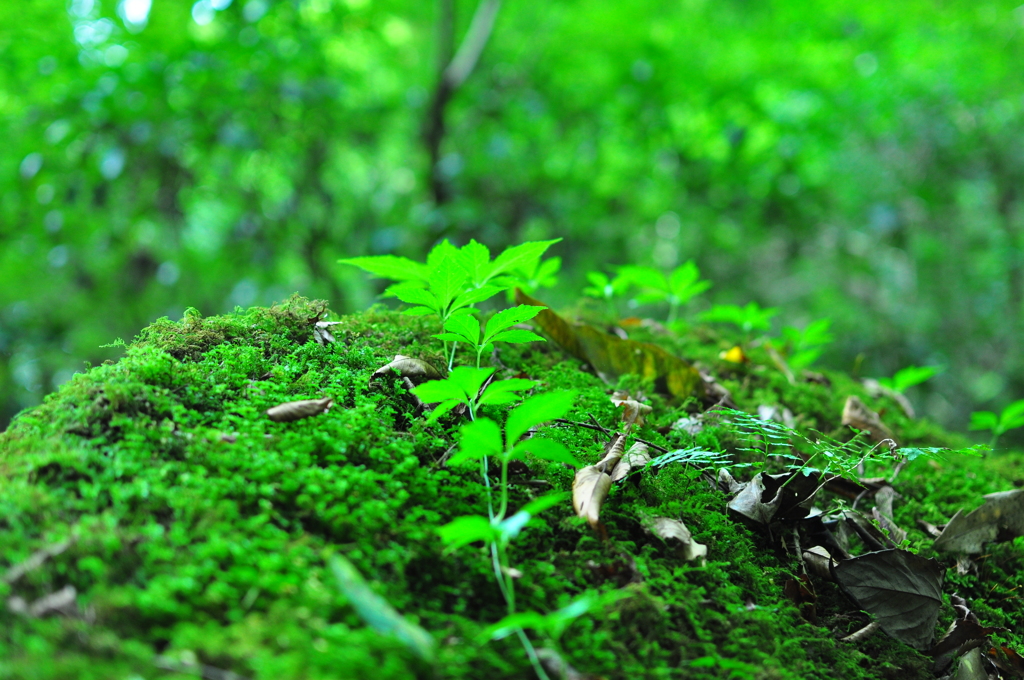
<point>605,288</point>
<point>453,280</point>
<point>465,385</point>
<point>908,377</point>
<point>539,274</point>
<point>466,328</point>
<point>805,346</point>
<point>748,319</point>
<point>482,439</point>
<point>677,288</point>
<point>1011,418</point>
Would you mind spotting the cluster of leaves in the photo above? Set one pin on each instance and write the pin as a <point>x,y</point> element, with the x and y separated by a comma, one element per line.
<point>1011,418</point>
<point>650,285</point>
<point>454,280</point>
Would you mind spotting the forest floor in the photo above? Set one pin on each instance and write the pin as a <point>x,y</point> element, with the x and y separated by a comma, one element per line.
<point>155,521</point>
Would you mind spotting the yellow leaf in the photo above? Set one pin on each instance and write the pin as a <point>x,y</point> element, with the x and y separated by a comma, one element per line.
<point>734,355</point>
<point>612,356</point>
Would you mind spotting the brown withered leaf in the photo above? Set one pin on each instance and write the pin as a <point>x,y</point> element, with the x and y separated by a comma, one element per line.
<point>856,414</point>
<point>877,389</point>
<point>592,483</point>
<point>297,410</point>
<point>416,370</point>
<point>634,459</point>
<point>1001,518</point>
<point>633,411</point>
<point>612,357</point>
<point>1008,661</point>
<point>673,531</point>
<point>882,512</point>
<point>819,562</point>
<point>964,634</point>
<point>322,332</point>
<point>903,591</point>
<point>769,498</point>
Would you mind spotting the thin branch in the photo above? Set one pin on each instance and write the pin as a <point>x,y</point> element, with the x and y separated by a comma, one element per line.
<point>588,426</point>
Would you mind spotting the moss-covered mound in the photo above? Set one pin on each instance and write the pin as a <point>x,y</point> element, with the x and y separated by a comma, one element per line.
<point>154,521</point>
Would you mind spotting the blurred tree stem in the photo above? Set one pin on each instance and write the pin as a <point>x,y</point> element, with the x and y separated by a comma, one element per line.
<point>452,73</point>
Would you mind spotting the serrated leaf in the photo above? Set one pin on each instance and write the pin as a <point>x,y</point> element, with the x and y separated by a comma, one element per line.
<point>446,281</point>
<point>546,449</point>
<point>419,311</point>
<point>504,391</point>
<point>415,295</point>
<point>477,439</point>
<point>475,258</point>
<point>984,420</point>
<point>510,317</point>
<point>517,335</point>
<point>536,410</point>
<point>472,297</point>
<point>438,390</point>
<point>390,267</point>
<point>518,256</point>
<point>465,325</point>
<point>903,591</point>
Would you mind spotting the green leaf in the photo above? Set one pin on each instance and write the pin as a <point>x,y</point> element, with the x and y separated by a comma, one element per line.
<point>415,295</point>
<point>516,335</point>
<point>477,295</point>
<point>470,379</point>
<point>443,408</point>
<point>1012,417</point>
<point>520,256</point>
<point>510,317</point>
<point>390,267</point>
<point>546,449</point>
<point>477,439</point>
<point>465,530</point>
<point>510,527</point>
<point>465,325</point>
<point>512,623</point>
<point>913,375</point>
<point>377,612</point>
<point>439,390</point>
<point>475,258</point>
<point>536,410</point>
<point>446,281</point>
<point>419,311</point>
<point>984,420</point>
<point>645,277</point>
<point>504,391</point>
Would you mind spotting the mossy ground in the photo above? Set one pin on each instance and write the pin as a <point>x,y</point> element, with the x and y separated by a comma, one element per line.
<point>202,529</point>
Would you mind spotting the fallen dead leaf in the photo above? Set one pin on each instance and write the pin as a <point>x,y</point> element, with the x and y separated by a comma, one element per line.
<point>819,562</point>
<point>882,512</point>
<point>801,591</point>
<point>903,591</point>
<point>322,332</point>
<point>613,357</point>
<point>592,483</point>
<point>669,530</point>
<point>634,459</point>
<point>416,370</point>
<point>1001,518</point>
<point>297,410</point>
<point>769,498</point>
<point>877,389</point>
<point>856,414</point>
<point>1008,661</point>
<point>633,411</point>
<point>964,634</point>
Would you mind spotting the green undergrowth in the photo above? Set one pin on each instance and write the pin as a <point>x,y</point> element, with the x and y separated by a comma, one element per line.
<point>200,531</point>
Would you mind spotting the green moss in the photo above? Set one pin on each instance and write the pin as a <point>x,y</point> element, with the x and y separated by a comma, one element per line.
<point>200,529</point>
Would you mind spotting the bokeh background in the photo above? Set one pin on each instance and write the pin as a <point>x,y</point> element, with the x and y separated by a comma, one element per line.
<point>836,158</point>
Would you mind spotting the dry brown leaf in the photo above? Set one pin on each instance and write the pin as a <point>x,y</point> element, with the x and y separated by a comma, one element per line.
<point>612,356</point>
<point>322,332</point>
<point>416,370</point>
<point>856,414</point>
<point>882,512</point>
<point>636,458</point>
<point>877,389</point>
<point>669,530</point>
<point>589,489</point>
<point>1000,518</point>
<point>819,562</point>
<point>964,634</point>
<point>297,410</point>
<point>632,410</point>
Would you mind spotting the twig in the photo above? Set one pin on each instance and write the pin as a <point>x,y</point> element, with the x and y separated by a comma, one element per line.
<point>863,633</point>
<point>36,560</point>
<point>588,426</point>
<point>594,420</point>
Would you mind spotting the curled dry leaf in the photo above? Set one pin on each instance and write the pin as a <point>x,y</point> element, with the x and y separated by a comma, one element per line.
<point>882,512</point>
<point>297,410</point>
<point>769,498</point>
<point>322,332</point>
<point>416,370</point>
<point>856,414</point>
<point>632,410</point>
<point>1000,518</point>
<point>592,483</point>
<point>636,458</point>
<point>819,562</point>
<point>672,530</point>
<point>964,634</point>
<point>903,591</point>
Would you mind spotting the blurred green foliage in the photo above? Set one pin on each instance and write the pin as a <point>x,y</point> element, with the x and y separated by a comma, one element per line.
<point>833,159</point>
